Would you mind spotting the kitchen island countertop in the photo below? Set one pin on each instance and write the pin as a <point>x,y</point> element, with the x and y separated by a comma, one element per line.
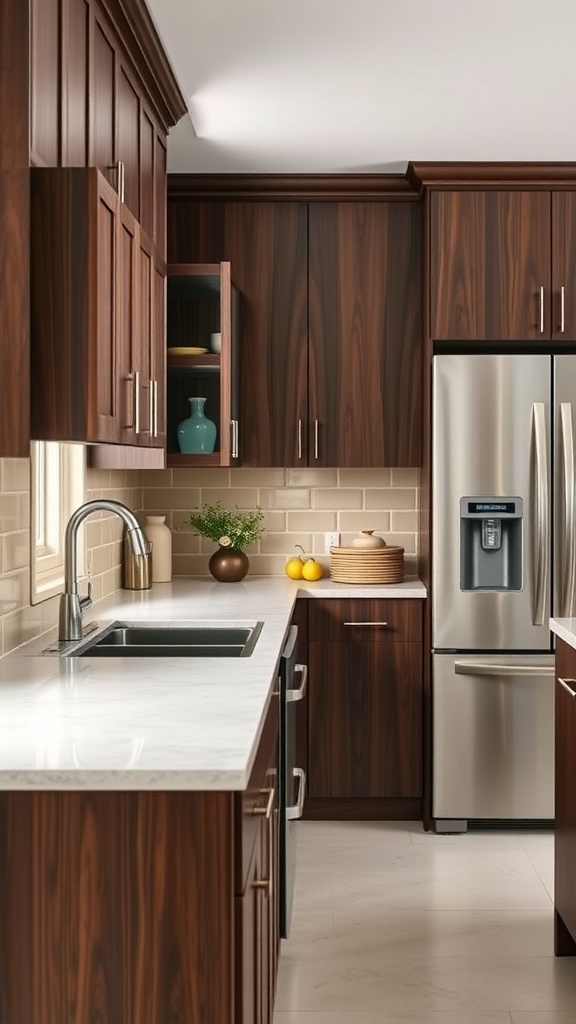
<point>150,723</point>
<point>565,629</point>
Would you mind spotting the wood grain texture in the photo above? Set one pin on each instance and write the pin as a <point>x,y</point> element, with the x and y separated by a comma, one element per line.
<point>489,258</point>
<point>290,187</point>
<point>266,244</point>
<point>44,85</point>
<point>14,221</point>
<point>564,266</point>
<point>491,174</point>
<point>365,334</point>
<point>75,83</point>
<point>116,907</point>
<point>402,618</point>
<point>128,103</point>
<point>365,720</point>
<point>565,804</point>
<point>358,809</point>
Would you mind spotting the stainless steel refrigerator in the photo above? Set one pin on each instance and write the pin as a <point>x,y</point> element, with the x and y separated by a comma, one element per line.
<point>503,562</point>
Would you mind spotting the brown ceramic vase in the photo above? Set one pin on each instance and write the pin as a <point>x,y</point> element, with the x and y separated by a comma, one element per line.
<point>228,565</point>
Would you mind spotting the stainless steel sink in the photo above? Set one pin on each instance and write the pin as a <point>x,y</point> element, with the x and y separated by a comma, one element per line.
<point>130,640</point>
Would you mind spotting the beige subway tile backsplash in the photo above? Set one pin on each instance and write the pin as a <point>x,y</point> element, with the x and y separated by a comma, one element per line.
<point>300,506</point>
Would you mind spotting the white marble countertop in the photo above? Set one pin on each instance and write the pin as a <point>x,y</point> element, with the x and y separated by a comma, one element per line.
<point>145,723</point>
<point>565,629</point>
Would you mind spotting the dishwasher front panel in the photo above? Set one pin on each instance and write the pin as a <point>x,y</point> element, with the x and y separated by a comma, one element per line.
<point>493,738</point>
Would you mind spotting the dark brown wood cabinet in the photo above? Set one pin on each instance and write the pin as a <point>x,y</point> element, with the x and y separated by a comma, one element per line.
<point>502,265</point>
<point>365,708</point>
<point>141,906</point>
<point>365,335</point>
<point>331,324</point>
<point>94,326</point>
<point>565,802</point>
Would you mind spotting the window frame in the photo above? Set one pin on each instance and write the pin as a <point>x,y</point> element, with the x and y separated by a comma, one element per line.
<point>57,488</point>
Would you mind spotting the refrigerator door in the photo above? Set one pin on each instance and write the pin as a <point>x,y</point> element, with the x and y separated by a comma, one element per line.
<point>493,737</point>
<point>491,437</point>
<point>564,604</point>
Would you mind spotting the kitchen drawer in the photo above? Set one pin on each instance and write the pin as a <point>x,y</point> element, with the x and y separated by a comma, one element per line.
<point>250,805</point>
<point>377,620</point>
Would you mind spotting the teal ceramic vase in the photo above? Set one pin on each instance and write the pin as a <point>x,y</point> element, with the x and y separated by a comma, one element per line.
<point>197,434</point>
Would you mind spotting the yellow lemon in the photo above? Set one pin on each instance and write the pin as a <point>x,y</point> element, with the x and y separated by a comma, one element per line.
<point>294,568</point>
<point>312,570</point>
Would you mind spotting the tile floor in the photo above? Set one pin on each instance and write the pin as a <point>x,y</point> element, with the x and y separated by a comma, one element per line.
<point>393,925</point>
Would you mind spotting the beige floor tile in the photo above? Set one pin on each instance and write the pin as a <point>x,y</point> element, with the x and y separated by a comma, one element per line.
<point>393,925</point>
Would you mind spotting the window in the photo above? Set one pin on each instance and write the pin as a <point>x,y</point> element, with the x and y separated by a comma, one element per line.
<point>58,487</point>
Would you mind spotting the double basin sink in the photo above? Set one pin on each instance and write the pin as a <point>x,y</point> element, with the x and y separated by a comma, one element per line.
<point>122,639</point>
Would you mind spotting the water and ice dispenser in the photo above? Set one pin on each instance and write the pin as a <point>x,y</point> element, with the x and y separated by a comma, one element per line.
<point>491,543</point>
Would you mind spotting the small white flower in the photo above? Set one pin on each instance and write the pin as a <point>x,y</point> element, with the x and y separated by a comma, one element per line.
<point>225,542</point>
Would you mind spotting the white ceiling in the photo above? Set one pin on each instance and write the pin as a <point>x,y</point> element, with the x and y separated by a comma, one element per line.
<point>366,85</point>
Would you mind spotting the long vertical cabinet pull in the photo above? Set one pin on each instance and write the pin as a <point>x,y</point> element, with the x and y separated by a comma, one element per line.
<point>316,438</point>
<point>299,439</point>
<point>540,546</point>
<point>562,309</point>
<point>234,438</point>
<point>136,402</point>
<point>542,309</point>
<point>153,397</point>
<point>121,180</point>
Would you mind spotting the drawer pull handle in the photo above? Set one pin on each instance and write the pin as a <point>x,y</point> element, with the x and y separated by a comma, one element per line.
<point>298,692</point>
<point>266,811</point>
<point>366,623</point>
<point>296,811</point>
<point>265,884</point>
<point>564,683</point>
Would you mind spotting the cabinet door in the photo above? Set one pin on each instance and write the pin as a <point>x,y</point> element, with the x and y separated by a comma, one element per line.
<point>490,272</point>
<point>365,719</point>
<point>564,266</point>
<point>102,116</point>
<point>75,83</point>
<point>365,402</point>
<point>127,356</point>
<point>44,82</point>
<point>128,138</point>
<point>565,788</point>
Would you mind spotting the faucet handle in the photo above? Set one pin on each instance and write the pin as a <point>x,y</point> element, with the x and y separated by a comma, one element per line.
<point>85,602</point>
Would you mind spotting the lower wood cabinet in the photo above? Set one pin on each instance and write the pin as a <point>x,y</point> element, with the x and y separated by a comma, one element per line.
<point>565,810</point>
<point>365,708</point>
<point>141,907</point>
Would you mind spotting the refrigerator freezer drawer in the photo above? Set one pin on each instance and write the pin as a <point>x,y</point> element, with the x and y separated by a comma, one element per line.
<point>493,742</point>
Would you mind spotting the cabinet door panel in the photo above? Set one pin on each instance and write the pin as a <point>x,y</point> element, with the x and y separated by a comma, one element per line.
<point>103,101</point>
<point>126,333</point>
<point>380,620</point>
<point>266,244</point>
<point>365,334</point>
<point>44,70</point>
<point>128,141</point>
<point>147,143</point>
<point>75,64</point>
<point>365,720</point>
<point>490,256</point>
<point>565,789</point>
<point>564,265</point>
<point>103,353</point>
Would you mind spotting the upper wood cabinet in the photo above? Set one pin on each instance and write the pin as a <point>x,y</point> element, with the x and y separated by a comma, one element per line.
<point>330,326</point>
<point>365,335</point>
<point>97,336</point>
<point>503,265</point>
<point>99,99</point>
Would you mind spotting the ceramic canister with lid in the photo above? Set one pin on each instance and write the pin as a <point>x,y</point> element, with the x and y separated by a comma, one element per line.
<point>366,539</point>
<point>161,540</point>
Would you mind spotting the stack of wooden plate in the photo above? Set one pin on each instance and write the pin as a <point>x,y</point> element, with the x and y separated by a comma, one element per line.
<point>368,565</point>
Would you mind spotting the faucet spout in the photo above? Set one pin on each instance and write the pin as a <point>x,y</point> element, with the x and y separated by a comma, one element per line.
<point>71,605</point>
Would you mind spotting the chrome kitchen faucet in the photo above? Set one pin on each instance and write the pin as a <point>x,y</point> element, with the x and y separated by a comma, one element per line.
<point>71,604</point>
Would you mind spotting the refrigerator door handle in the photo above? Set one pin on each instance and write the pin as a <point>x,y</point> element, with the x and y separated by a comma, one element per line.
<point>540,548</point>
<point>569,508</point>
<point>481,668</point>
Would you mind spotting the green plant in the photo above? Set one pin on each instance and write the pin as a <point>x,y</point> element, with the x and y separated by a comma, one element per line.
<point>232,528</point>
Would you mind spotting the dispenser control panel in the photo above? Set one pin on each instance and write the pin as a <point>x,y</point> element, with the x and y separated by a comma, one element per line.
<point>491,542</point>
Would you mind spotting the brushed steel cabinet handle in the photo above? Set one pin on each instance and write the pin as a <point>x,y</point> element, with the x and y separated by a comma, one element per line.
<point>562,309</point>
<point>564,683</point>
<point>235,439</point>
<point>296,810</point>
<point>316,438</point>
<point>299,439</point>
<point>366,623</point>
<point>155,422</point>
<point>136,402</point>
<point>298,692</point>
<point>121,180</point>
<point>542,309</point>
<point>266,811</point>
